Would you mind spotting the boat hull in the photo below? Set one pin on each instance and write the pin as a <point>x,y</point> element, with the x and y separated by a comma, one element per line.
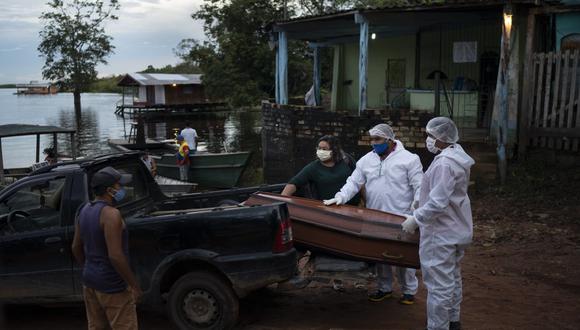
<point>208,170</point>
<point>348,231</point>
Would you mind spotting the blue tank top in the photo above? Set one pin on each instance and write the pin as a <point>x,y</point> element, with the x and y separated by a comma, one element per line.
<point>98,272</point>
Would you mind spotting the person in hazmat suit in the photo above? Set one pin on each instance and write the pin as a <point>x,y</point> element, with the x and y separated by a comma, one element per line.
<point>444,219</point>
<point>391,176</point>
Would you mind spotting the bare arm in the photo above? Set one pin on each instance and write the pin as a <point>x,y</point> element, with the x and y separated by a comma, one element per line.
<point>77,246</point>
<point>113,228</point>
<point>289,190</point>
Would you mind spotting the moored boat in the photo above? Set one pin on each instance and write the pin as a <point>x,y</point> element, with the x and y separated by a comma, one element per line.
<point>215,170</point>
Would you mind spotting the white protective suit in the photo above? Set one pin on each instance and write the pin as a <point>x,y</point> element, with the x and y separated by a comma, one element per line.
<point>444,218</point>
<point>391,185</point>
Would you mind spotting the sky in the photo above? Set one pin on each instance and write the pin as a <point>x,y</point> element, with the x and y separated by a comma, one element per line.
<point>145,34</point>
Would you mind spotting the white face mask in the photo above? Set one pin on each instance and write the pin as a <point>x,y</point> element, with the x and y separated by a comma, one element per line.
<point>430,143</point>
<point>323,155</point>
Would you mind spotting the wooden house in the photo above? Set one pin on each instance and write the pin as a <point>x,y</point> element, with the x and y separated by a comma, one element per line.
<point>507,72</point>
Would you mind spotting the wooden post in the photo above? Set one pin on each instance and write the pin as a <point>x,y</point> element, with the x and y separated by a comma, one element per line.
<point>55,145</point>
<point>437,93</point>
<point>362,61</point>
<point>73,146</point>
<point>37,148</point>
<point>283,67</point>
<point>1,165</point>
<point>277,75</point>
<point>336,78</point>
<point>528,87</point>
<point>504,78</point>
<point>316,76</point>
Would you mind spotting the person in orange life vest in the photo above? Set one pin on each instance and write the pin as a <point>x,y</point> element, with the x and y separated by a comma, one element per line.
<point>182,157</point>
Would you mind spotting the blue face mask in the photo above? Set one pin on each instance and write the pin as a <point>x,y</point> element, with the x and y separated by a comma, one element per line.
<point>119,195</point>
<point>381,149</point>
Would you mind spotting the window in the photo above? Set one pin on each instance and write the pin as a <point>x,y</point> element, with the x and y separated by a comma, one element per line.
<point>570,42</point>
<point>32,207</point>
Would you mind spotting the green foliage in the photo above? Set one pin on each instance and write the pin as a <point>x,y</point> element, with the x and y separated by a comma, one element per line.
<point>74,42</point>
<point>183,67</point>
<point>236,61</point>
<point>387,3</point>
<point>8,86</point>
<point>106,85</point>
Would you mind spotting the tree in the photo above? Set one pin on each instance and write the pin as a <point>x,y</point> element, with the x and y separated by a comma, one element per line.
<point>73,42</point>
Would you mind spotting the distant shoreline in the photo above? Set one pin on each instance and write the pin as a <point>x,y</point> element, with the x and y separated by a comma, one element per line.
<point>8,86</point>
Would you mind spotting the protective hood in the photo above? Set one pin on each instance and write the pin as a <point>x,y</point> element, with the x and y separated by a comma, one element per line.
<point>458,155</point>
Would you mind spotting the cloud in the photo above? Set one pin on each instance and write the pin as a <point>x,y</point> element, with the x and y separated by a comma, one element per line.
<point>146,33</point>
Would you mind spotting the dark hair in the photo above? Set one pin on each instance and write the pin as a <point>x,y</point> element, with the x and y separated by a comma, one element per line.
<point>337,154</point>
<point>49,152</point>
<point>187,124</point>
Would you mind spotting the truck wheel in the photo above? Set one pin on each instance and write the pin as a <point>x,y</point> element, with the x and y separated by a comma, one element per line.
<point>202,300</point>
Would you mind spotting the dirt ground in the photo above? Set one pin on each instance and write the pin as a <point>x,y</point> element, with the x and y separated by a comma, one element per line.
<point>522,272</point>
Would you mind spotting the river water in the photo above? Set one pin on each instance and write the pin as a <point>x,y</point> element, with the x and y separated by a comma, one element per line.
<point>234,130</point>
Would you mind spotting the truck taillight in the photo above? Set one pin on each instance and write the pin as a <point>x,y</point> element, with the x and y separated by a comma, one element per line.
<point>283,241</point>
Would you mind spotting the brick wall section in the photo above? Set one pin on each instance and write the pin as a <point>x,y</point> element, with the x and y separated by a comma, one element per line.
<point>289,134</point>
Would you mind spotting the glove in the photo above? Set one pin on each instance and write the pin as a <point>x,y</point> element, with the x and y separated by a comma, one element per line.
<point>336,200</point>
<point>414,206</point>
<point>410,225</point>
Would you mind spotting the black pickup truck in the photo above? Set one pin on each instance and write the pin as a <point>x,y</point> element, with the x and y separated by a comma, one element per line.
<point>194,255</point>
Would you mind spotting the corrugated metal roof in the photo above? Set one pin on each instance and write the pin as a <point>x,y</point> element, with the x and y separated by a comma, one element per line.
<point>24,129</point>
<point>417,5</point>
<point>157,79</point>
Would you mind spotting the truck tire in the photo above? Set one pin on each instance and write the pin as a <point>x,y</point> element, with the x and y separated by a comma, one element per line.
<point>202,300</point>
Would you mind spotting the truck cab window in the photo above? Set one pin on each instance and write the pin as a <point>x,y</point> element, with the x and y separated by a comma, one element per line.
<point>32,207</point>
<point>137,188</point>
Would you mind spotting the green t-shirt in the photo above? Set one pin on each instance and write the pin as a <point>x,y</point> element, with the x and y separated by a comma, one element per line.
<point>326,180</point>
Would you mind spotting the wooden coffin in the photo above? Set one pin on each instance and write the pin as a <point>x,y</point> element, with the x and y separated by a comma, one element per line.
<point>353,232</point>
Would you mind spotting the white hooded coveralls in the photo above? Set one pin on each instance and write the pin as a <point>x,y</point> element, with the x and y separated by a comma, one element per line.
<point>444,218</point>
<point>391,185</point>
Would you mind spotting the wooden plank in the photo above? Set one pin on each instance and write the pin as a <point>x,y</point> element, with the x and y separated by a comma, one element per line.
<point>539,94</point>
<point>555,97</point>
<point>532,98</point>
<point>565,72</point>
<point>1,165</point>
<point>528,88</point>
<point>547,98</point>
<point>574,99</point>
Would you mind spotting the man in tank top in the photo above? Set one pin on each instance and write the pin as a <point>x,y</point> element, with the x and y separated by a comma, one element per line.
<point>100,245</point>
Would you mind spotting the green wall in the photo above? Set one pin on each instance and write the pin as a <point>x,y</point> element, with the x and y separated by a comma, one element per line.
<point>566,24</point>
<point>432,57</point>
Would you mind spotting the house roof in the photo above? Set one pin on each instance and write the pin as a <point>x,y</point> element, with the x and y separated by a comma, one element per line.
<point>419,5</point>
<point>159,79</point>
<point>396,19</point>
<point>23,129</point>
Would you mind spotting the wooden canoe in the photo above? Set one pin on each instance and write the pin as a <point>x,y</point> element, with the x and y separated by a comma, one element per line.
<point>348,231</point>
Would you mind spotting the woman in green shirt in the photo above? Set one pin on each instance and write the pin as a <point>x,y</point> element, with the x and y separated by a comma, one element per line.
<point>327,174</point>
